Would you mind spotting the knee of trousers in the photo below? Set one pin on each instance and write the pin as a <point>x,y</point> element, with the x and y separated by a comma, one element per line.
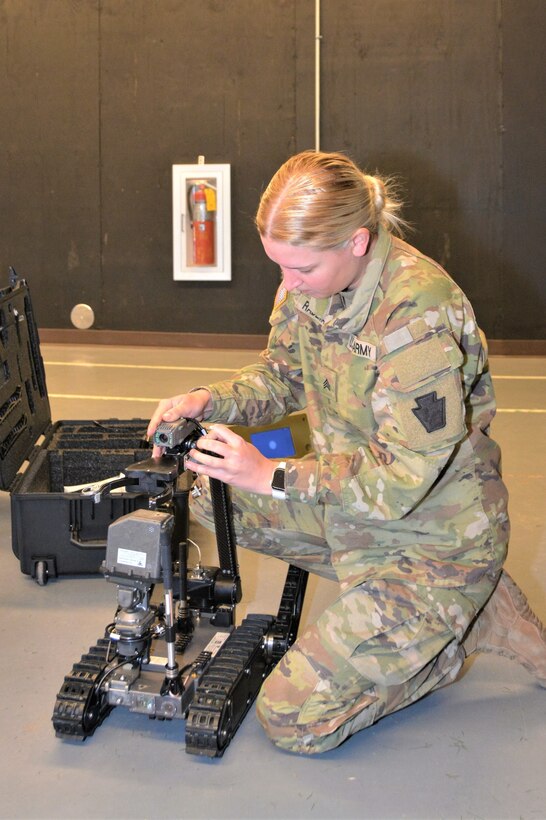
<point>305,712</point>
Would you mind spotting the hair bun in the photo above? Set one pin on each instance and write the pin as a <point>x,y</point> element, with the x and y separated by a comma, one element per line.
<point>320,199</point>
<point>377,192</point>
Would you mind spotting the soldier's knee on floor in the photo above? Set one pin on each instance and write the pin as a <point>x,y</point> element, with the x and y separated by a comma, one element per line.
<point>305,713</point>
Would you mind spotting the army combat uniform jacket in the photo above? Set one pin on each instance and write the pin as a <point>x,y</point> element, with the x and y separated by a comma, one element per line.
<point>394,379</point>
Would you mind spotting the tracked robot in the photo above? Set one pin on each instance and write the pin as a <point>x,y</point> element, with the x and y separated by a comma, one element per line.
<point>180,656</point>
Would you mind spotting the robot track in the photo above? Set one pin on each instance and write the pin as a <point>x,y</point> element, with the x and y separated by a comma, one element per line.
<point>228,688</point>
<point>80,706</point>
<point>222,698</point>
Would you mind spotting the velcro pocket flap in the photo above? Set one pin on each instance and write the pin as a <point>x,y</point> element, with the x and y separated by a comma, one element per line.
<point>421,362</point>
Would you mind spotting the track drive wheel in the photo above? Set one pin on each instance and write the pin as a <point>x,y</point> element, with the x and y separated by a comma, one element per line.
<point>94,711</point>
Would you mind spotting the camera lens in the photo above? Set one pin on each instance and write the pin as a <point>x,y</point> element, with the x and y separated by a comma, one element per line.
<point>163,437</point>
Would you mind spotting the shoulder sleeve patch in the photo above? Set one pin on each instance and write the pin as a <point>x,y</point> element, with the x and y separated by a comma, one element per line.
<point>283,307</point>
<point>280,298</point>
<point>424,393</point>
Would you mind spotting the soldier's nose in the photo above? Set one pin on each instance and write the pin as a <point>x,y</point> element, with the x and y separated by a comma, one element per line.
<point>290,280</point>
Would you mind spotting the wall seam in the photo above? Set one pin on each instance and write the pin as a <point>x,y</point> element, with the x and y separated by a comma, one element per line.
<point>500,320</point>
<point>99,136</point>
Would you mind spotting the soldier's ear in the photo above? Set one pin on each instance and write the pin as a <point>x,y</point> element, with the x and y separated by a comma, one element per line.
<point>360,241</point>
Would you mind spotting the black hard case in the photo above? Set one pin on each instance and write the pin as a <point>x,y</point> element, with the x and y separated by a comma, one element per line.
<point>54,532</point>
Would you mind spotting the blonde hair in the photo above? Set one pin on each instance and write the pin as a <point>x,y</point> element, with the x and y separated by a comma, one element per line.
<point>321,199</point>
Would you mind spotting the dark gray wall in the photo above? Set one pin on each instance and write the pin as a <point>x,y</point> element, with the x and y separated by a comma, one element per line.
<point>99,99</point>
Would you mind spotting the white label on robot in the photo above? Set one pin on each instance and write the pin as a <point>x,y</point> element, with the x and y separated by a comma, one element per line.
<point>216,642</point>
<point>132,558</point>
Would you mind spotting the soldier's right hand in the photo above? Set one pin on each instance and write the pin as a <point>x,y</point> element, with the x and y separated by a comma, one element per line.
<point>187,405</point>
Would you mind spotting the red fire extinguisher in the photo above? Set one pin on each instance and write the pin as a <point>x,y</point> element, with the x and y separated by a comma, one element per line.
<point>202,223</point>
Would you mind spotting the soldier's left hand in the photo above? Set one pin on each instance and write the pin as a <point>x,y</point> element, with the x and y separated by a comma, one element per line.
<point>240,463</point>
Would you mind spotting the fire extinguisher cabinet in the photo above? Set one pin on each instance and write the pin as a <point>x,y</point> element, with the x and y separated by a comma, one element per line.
<point>201,222</point>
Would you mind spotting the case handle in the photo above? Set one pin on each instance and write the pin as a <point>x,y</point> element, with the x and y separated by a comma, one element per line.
<point>78,542</point>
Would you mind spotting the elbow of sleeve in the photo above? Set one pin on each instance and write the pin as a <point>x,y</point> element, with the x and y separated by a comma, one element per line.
<point>383,497</point>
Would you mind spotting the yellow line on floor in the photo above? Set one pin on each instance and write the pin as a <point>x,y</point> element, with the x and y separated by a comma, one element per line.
<point>522,378</point>
<point>77,396</point>
<point>142,366</point>
<point>520,410</point>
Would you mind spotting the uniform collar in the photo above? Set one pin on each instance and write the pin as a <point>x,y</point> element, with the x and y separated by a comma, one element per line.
<point>349,316</point>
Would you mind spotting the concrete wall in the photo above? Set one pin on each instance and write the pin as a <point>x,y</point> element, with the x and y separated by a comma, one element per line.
<point>101,97</point>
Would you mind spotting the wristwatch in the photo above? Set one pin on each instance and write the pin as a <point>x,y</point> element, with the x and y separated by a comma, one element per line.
<point>277,482</point>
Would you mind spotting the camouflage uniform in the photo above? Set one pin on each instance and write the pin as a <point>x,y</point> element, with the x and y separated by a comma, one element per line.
<point>401,500</point>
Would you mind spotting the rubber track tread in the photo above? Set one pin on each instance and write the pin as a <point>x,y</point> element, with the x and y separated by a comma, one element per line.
<point>77,711</point>
<point>285,628</point>
<point>228,688</point>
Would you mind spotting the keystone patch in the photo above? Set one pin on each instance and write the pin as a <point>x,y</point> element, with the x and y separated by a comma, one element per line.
<point>430,411</point>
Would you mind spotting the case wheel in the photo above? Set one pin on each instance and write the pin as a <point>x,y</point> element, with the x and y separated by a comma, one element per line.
<point>41,573</point>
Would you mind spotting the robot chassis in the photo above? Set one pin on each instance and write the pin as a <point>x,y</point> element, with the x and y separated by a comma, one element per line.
<point>182,657</point>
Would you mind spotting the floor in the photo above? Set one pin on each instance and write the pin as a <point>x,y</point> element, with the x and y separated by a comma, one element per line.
<point>476,749</point>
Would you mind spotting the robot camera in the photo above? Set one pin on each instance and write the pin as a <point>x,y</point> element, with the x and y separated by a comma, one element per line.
<point>180,435</point>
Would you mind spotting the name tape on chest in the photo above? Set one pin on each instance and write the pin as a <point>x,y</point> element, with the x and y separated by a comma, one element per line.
<point>306,308</point>
<point>361,348</point>
<point>358,347</point>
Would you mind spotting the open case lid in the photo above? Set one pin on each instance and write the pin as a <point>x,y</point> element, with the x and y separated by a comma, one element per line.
<point>24,404</point>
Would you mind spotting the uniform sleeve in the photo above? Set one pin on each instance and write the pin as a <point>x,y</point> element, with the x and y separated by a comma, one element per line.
<point>420,414</point>
<point>267,391</point>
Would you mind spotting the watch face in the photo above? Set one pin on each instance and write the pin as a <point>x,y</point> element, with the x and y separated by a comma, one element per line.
<point>278,479</point>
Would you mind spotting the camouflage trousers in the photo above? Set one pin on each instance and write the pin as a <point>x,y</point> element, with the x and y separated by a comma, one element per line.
<point>379,647</point>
